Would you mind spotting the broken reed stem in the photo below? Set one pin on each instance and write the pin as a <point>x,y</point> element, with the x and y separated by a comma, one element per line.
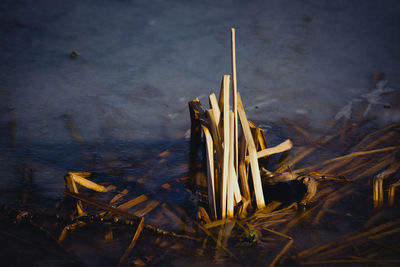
<point>133,242</point>
<point>282,147</point>
<point>128,215</point>
<point>225,161</point>
<point>101,205</point>
<point>391,192</point>
<point>210,172</point>
<point>231,171</point>
<point>80,178</point>
<point>255,171</point>
<point>234,102</point>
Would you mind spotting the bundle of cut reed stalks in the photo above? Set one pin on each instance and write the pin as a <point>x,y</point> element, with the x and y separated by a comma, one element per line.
<point>231,159</point>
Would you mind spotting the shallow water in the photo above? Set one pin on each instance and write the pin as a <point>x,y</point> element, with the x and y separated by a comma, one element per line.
<point>122,102</point>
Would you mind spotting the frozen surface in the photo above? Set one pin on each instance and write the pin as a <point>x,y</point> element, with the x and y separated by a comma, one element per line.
<point>119,109</point>
<point>140,62</point>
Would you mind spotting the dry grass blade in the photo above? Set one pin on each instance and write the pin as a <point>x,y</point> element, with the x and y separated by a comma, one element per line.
<point>367,137</point>
<point>371,145</point>
<point>351,155</point>
<point>334,246</point>
<point>133,242</point>
<point>387,233</point>
<point>375,165</point>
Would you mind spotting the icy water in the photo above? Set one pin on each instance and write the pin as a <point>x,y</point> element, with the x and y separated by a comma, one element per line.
<point>117,106</point>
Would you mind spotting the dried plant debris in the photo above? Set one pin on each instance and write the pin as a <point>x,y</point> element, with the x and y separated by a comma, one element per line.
<point>332,199</point>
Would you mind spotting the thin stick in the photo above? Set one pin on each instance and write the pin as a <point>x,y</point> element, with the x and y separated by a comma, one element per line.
<point>252,155</point>
<point>133,242</point>
<point>101,205</point>
<point>234,102</point>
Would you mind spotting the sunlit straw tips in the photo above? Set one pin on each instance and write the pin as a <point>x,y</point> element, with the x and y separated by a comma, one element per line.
<point>230,192</point>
